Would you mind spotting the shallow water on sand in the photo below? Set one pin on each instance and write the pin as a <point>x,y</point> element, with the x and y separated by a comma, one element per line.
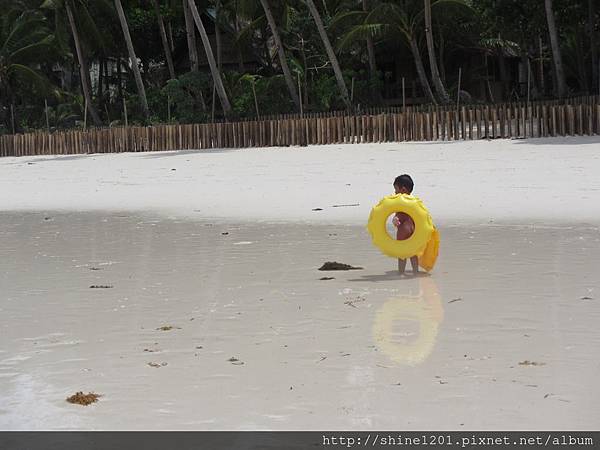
<point>503,335</point>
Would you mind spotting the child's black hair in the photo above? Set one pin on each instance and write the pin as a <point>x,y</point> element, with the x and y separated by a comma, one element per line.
<point>404,181</point>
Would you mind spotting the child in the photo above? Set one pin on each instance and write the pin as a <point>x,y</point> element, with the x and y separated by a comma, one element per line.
<point>403,222</point>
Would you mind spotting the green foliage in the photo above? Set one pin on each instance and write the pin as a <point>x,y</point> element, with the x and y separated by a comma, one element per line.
<point>37,53</point>
<point>324,92</point>
<point>272,95</point>
<point>186,95</point>
<point>25,42</point>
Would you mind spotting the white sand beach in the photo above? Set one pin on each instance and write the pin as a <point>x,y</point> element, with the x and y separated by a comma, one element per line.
<point>208,311</point>
<point>509,181</point>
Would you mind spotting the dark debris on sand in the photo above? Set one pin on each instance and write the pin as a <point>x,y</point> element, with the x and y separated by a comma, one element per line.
<point>531,363</point>
<point>329,265</point>
<point>79,398</point>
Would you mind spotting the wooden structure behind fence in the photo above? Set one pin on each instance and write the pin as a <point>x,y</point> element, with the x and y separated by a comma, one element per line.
<point>572,117</point>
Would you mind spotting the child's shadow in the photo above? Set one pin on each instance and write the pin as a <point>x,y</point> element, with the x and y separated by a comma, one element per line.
<point>392,275</point>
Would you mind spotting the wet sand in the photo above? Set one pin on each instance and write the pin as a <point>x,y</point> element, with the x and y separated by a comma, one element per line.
<point>503,335</point>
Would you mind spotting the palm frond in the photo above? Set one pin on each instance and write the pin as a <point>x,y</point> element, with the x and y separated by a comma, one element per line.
<point>362,32</point>
<point>246,33</point>
<point>25,30</point>
<point>460,3</point>
<point>346,19</point>
<point>30,78</point>
<point>34,53</point>
<point>248,9</point>
<point>87,28</point>
<point>52,4</point>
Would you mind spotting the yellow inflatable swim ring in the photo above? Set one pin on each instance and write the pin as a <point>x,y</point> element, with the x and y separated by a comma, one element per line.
<point>424,240</point>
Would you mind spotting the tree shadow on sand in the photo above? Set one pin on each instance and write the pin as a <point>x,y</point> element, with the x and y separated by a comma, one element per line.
<point>561,140</point>
<point>170,153</point>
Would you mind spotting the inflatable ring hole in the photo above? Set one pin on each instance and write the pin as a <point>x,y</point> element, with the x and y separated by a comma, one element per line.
<point>405,230</point>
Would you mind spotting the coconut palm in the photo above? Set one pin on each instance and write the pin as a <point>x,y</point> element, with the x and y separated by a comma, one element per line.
<point>281,53</point>
<point>25,41</point>
<point>132,56</point>
<point>370,46</point>
<point>190,31</point>
<point>348,15</point>
<point>593,46</point>
<point>164,39</point>
<point>556,55</point>
<point>256,11</point>
<point>391,21</point>
<point>433,66</point>
<point>330,53</point>
<point>77,13</point>
<point>211,59</point>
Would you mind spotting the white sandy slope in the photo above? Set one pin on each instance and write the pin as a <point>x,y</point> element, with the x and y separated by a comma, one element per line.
<point>509,181</point>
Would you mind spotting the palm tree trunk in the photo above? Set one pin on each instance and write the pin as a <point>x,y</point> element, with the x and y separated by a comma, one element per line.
<point>503,73</point>
<point>281,52</point>
<point>133,58</point>
<point>211,59</point>
<point>371,56</point>
<point>593,46</point>
<point>101,82</point>
<point>191,36</point>
<point>584,82</point>
<point>170,36</point>
<point>441,63</point>
<point>414,47</point>
<point>238,49</point>
<point>119,80</point>
<point>164,39</point>
<point>83,69</point>
<point>556,55</point>
<point>370,46</point>
<point>330,53</point>
<point>218,40</point>
<point>435,73</point>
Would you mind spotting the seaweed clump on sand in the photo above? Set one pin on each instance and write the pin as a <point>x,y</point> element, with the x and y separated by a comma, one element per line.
<point>80,398</point>
<point>329,265</point>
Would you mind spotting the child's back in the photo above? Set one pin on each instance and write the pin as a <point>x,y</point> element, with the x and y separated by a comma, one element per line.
<point>406,226</point>
<point>404,223</point>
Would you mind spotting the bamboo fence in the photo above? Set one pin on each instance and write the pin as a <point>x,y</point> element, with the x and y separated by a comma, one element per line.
<point>571,117</point>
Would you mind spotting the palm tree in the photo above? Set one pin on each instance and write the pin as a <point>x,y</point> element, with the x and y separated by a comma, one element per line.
<point>593,46</point>
<point>25,41</point>
<point>349,17</point>
<point>556,55</point>
<point>133,58</point>
<point>84,74</point>
<point>191,36</point>
<point>370,46</point>
<point>281,53</point>
<point>218,41</point>
<point>330,53</point>
<point>391,21</point>
<point>211,59</point>
<point>164,39</point>
<point>435,74</point>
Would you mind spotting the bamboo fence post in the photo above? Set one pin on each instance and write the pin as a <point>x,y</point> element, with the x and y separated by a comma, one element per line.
<point>47,118</point>
<point>256,101</point>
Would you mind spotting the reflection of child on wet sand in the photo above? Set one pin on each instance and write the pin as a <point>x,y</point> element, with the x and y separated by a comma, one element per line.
<point>403,222</point>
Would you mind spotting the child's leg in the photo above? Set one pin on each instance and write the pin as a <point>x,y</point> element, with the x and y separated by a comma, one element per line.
<point>401,265</point>
<point>414,262</point>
